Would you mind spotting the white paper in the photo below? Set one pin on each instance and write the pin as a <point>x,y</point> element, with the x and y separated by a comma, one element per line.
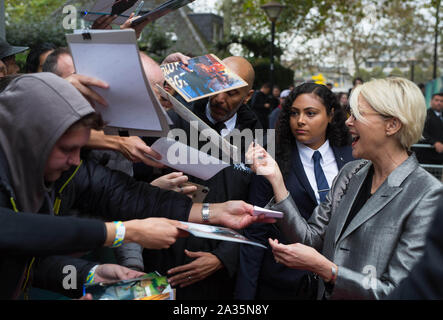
<point>113,57</point>
<point>182,157</point>
<point>268,213</point>
<point>217,233</point>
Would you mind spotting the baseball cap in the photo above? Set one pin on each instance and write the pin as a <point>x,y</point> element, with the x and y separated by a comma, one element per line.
<point>7,50</point>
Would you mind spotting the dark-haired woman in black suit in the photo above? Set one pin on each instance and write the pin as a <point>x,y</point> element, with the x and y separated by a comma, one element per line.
<point>311,120</point>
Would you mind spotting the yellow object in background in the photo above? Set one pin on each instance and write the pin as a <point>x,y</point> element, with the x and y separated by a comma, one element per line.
<point>319,79</point>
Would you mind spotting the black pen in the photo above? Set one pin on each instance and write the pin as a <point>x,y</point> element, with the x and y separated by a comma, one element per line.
<point>101,14</point>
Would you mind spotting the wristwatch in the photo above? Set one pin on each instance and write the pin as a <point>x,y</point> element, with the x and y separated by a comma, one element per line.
<point>205,212</point>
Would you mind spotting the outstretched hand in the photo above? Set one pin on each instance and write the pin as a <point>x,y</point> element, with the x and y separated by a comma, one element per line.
<point>235,215</point>
<point>176,57</point>
<point>154,233</point>
<point>136,150</point>
<point>261,162</point>
<point>82,83</point>
<point>303,257</point>
<point>174,181</point>
<point>111,272</point>
<point>138,28</point>
<point>104,22</point>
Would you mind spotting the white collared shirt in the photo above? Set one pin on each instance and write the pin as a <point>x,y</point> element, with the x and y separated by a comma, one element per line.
<point>327,162</point>
<point>230,123</point>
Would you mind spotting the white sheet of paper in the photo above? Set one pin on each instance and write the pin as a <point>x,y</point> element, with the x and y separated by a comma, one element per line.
<point>217,233</point>
<point>183,158</point>
<point>268,213</point>
<point>112,56</point>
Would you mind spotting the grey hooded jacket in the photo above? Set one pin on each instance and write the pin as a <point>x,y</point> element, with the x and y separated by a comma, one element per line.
<point>35,111</point>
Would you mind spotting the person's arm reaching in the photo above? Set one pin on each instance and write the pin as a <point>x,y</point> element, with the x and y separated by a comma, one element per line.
<point>132,148</point>
<point>83,83</point>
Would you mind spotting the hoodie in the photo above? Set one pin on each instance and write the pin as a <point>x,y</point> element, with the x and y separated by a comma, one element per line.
<point>35,111</point>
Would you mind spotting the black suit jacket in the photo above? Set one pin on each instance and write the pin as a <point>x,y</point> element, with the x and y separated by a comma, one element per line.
<point>232,183</point>
<point>433,132</point>
<point>260,277</point>
<point>426,278</point>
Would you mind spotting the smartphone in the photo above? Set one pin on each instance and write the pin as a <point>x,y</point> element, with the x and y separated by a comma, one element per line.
<point>198,195</point>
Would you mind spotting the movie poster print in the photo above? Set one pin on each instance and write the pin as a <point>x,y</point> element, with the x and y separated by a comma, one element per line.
<point>204,76</point>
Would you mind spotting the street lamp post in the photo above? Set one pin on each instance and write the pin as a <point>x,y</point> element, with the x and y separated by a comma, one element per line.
<point>272,10</point>
<point>412,61</point>
<point>437,22</point>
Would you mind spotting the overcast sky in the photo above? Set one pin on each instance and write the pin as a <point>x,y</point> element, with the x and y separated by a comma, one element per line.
<point>203,6</point>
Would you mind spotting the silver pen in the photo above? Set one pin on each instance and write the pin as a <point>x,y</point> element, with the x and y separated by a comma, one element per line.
<point>139,7</point>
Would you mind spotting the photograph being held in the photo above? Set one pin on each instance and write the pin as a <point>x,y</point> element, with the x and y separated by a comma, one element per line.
<point>370,231</point>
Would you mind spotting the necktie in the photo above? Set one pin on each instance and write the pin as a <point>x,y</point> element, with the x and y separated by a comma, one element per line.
<point>219,126</point>
<point>322,183</point>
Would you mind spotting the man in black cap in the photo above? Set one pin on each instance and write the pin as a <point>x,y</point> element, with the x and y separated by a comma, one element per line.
<point>7,55</point>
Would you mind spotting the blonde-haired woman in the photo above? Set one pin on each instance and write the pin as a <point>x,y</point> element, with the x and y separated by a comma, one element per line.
<point>371,228</point>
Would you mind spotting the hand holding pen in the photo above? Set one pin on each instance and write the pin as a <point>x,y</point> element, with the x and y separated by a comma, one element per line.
<point>106,19</point>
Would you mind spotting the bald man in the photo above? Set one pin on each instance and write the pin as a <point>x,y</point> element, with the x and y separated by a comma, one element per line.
<point>206,268</point>
<point>155,76</point>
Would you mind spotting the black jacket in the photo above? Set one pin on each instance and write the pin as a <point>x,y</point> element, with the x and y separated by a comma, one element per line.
<point>232,183</point>
<point>257,103</point>
<point>94,191</point>
<point>433,132</point>
<point>24,235</point>
<point>113,195</point>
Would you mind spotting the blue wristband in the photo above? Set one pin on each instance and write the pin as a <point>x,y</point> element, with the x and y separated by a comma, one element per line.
<point>91,274</point>
<point>119,234</point>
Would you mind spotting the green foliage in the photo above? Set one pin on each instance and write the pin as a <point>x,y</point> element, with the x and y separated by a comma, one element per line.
<point>364,74</point>
<point>377,73</point>
<point>396,72</point>
<point>283,77</point>
<point>30,22</point>
<point>37,21</point>
<point>37,10</point>
<point>254,45</point>
<point>423,75</point>
<point>154,42</point>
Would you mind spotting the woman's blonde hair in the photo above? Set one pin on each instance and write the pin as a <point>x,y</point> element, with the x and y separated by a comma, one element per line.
<point>397,98</point>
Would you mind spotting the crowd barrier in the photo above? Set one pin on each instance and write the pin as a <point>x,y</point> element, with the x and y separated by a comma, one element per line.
<point>435,169</point>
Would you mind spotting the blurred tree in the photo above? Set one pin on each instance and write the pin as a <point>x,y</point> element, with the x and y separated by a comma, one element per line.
<point>396,72</point>
<point>364,74</point>
<point>30,22</point>
<point>382,30</point>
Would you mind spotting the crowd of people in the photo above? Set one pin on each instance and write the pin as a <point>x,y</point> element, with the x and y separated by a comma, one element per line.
<point>360,215</point>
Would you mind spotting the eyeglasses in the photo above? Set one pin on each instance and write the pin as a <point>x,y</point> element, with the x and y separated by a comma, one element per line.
<point>364,114</point>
